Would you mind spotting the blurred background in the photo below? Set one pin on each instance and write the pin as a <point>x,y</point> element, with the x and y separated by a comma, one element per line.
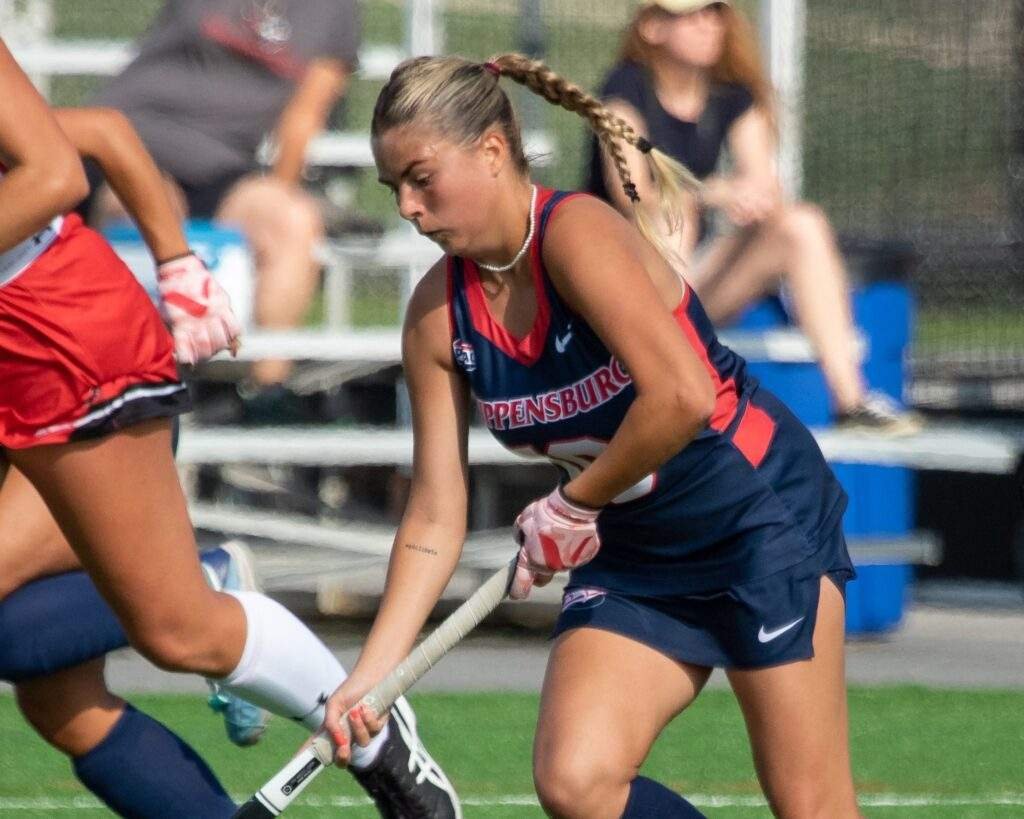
<point>903,120</point>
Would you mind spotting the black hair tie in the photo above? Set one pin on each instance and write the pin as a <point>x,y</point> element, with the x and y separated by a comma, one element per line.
<point>643,145</point>
<point>630,190</point>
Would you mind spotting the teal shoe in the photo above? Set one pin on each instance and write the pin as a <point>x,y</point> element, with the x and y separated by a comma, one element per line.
<point>230,568</point>
<point>243,721</point>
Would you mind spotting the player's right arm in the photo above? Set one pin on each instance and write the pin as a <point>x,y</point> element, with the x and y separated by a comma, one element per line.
<point>306,114</point>
<point>197,307</point>
<point>429,539</point>
<point>44,176</point>
<point>108,137</point>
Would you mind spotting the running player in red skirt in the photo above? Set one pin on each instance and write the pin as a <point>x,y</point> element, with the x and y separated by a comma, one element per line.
<point>88,388</point>
<point>700,522</point>
<point>55,629</point>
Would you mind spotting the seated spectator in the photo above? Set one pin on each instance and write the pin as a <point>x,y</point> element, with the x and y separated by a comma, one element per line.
<point>211,80</point>
<point>690,80</point>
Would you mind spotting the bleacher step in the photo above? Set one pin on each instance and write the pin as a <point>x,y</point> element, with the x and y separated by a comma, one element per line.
<point>957,447</point>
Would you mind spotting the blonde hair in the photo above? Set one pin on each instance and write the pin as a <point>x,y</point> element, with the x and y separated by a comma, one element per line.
<point>740,63</point>
<point>462,99</point>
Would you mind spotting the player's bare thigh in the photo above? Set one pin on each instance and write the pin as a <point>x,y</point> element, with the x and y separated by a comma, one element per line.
<point>796,716</point>
<point>32,545</point>
<point>605,699</point>
<point>756,256</point>
<point>119,503</point>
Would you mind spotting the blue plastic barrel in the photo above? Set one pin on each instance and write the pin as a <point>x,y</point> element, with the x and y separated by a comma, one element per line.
<point>881,498</point>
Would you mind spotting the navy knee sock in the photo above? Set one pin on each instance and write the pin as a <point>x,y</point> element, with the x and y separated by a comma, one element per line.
<point>55,623</point>
<point>650,800</point>
<point>141,769</point>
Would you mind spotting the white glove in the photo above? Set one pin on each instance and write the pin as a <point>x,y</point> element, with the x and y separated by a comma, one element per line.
<point>197,308</point>
<point>554,534</point>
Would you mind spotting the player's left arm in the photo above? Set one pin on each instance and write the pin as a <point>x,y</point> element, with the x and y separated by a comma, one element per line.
<point>306,114</point>
<point>108,137</point>
<point>599,264</point>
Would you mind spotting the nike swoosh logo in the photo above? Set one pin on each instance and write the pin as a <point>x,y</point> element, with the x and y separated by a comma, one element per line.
<point>561,342</point>
<point>767,636</point>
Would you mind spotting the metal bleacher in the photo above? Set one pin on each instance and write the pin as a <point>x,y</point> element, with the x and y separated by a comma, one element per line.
<point>985,450</point>
<point>981,449</point>
<point>321,552</point>
<point>45,58</point>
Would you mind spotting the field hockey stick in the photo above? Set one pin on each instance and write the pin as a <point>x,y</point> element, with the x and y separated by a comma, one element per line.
<point>289,782</point>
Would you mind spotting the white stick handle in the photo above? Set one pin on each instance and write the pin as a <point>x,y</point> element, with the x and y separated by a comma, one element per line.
<point>456,626</point>
<point>292,779</point>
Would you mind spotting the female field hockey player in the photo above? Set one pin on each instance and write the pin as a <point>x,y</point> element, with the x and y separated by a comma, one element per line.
<point>699,519</point>
<point>88,388</point>
<point>690,80</point>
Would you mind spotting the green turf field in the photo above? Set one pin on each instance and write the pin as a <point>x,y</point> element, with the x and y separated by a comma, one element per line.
<point>917,752</point>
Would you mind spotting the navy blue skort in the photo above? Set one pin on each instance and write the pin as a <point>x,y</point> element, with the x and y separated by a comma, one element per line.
<point>764,622</point>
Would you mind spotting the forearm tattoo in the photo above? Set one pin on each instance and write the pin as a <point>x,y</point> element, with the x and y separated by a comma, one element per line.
<point>417,548</point>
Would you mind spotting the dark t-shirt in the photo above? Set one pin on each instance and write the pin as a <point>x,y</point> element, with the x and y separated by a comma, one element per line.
<point>697,145</point>
<point>213,76</point>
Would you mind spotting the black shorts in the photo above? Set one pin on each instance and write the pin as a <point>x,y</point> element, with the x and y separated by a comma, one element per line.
<point>761,623</point>
<point>204,199</point>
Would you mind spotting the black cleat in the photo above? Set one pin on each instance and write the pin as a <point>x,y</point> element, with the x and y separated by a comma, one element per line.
<point>404,781</point>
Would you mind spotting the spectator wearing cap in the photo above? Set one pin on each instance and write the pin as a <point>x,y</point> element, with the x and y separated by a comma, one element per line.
<point>690,79</point>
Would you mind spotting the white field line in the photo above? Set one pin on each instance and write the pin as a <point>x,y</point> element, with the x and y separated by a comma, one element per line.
<point>706,800</point>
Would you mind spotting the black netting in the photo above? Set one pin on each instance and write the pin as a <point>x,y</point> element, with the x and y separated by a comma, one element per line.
<point>912,111</point>
<point>912,115</point>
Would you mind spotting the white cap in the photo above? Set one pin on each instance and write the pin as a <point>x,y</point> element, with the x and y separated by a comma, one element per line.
<point>683,6</point>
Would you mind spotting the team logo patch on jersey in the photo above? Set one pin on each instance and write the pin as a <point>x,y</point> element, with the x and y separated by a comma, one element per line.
<point>465,355</point>
<point>584,598</point>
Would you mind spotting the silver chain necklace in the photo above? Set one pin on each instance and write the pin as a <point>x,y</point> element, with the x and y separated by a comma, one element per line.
<point>501,268</point>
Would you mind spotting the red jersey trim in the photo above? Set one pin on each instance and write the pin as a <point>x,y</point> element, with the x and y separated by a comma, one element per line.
<point>726,399</point>
<point>71,221</point>
<point>754,434</point>
<point>528,349</point>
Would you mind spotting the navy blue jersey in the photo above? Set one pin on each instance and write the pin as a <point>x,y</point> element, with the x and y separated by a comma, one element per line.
<point>749,496</point>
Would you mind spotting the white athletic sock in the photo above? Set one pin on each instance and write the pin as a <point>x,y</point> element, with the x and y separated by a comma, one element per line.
<point>287,670</point>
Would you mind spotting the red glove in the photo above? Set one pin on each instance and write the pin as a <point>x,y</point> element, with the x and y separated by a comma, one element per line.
<point>554,534</point>
<point>197,308</point>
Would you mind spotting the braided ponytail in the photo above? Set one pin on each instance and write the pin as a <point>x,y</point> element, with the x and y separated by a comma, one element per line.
<point>671,177</point>
<point>462,99</point>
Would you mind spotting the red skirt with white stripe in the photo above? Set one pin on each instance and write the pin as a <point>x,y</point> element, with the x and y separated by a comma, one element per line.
<point>83,352</point>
